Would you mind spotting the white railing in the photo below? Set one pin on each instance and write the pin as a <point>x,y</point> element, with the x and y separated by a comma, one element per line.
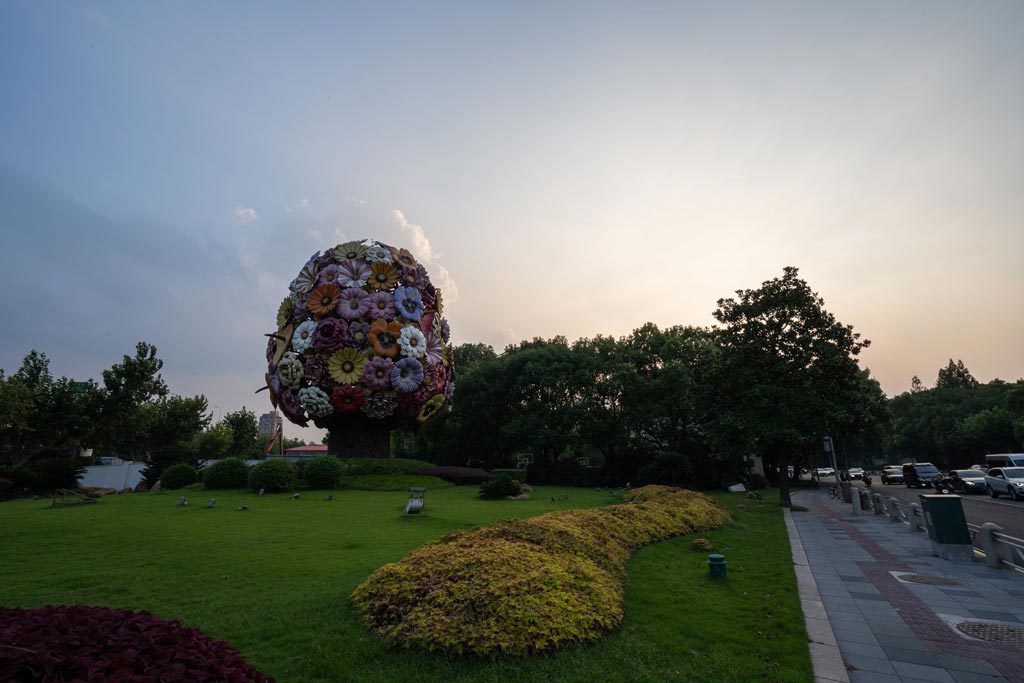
<point>999,549</point>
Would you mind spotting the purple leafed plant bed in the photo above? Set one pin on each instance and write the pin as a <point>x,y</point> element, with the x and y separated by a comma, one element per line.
<point>101,644</point>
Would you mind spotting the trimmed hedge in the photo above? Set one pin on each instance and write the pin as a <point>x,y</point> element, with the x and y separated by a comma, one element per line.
<point>323,472</point>
<point>101,644</point>
<point>229,473</point>
<point>522,586</point>
<point>178,476</point>
<point>359,466</point>
<point>394,482</point>
<point>274,475</point>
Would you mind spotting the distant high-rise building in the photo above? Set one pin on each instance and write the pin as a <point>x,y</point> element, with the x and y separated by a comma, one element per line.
<point>270,422</point>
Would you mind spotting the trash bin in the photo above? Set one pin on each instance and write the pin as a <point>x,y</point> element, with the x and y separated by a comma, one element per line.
<point>947,527</point>
<point>847,498</point>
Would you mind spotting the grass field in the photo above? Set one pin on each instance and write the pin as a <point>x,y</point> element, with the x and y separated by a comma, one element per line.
<point>275,580</point>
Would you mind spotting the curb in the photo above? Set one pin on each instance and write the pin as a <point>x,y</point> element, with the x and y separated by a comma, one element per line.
<point>826,659</point>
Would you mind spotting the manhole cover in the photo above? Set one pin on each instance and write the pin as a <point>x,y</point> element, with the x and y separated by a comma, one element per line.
<point>930,580</point>
<point>993,633</point>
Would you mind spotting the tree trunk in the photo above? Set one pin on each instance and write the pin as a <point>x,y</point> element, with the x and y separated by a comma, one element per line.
<point>357,437</point>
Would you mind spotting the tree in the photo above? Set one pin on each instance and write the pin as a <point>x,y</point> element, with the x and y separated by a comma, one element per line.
<point>16,430</point>
<point>245,441</point>
<point>916,385</point>
<point>788,373</point>
<point>955,376</point>
<point>127,387</point>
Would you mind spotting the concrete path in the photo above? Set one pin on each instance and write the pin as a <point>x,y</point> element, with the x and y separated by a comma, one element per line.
<point>867,623</point>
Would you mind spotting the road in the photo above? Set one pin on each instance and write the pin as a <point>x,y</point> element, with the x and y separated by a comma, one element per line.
<point>978,508</point>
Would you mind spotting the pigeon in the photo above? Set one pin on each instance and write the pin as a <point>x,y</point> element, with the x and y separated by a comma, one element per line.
<point>565,496</point>
<point>330,496</point>
<point>213,501</point>
<point>182,502</point>
<point>552,499</point>
<point>295,496</point>
<point>262,491</point>
<point>244,507</point>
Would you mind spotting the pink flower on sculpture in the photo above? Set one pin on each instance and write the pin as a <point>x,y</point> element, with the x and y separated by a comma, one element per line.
<point>354,303</point>
<point>434,351</point>
<point>353,273</point>
<point>382,305</point>
<point>347,399</point>
<point>358,335</point>
<point>329,276</point>
<point>377,373</point>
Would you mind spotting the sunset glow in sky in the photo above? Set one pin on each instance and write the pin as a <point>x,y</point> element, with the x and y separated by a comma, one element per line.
<point>562,168</point>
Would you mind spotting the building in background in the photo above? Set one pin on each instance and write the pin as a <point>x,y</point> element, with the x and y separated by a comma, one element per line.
<point>270,423</point>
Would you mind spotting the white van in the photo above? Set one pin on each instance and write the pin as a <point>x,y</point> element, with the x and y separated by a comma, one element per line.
<point>1005,460</point>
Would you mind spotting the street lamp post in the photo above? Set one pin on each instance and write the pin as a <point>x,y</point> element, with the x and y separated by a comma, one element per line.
<point>827,441</point>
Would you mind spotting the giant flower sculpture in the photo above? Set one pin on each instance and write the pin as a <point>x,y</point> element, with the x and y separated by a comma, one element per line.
<point>361,347</point>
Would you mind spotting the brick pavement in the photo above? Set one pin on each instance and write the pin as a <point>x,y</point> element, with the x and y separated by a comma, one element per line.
<point>888,630</point>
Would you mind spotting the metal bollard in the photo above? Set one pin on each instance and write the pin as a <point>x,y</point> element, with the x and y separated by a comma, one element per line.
<point>916,517</point>
<point>855,499</point>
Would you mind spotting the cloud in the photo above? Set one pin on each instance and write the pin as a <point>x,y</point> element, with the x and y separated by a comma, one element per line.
<point>245,214</point>
<point>425,254</point>
<point>315,235</point>
<point>421,248</point>
<point>354,199</point>
<point>304,204</point>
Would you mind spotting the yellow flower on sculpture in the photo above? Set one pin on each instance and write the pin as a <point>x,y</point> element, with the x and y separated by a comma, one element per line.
<point>346,366</point>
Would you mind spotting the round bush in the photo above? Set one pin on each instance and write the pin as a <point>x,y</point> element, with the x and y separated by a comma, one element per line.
<point>323,473</point>
<point>502,486</point>
<point>102,644</point>
<point>178,476</point>
<point>273,475</point>
<point>230,473</point>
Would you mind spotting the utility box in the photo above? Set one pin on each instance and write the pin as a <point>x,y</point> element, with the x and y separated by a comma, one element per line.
<point>947,527</point>
<point>845,488</point>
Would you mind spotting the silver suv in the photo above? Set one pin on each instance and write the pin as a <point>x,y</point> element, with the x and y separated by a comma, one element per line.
<point>1008,480</point>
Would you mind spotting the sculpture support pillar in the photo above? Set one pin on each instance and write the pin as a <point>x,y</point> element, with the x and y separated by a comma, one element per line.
<point>357,437</point>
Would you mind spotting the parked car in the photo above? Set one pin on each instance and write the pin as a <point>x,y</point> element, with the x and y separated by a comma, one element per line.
<point>965,481</point>
<point>983,468</point>
<point>1008,480</point>
<point>1005,460</point>
<point>892,474</point>
<point>825,471</point>
<point>920,474</point>
<point>856,473</point>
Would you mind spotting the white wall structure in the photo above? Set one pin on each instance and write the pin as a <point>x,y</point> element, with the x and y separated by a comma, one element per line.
<point>119,476</point>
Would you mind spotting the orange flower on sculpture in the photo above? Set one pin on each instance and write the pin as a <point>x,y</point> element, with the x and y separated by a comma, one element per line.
<point>323,299</point>
<point>383,277</point>
<point>384,337</point>
<point>404,258</point>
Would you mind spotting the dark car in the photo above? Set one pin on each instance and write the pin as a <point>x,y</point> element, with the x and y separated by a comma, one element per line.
<point>892,474</point>
<point>966,481</point>
<point>920,474</point>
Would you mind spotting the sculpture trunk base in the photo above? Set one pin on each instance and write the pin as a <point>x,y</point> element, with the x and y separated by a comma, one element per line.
<point>357,437</point>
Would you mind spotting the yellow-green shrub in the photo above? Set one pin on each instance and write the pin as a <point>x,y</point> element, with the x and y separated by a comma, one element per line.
<point>521,586</point>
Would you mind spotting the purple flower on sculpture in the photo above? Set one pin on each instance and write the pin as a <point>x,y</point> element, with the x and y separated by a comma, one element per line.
<point>358,335</point>
<point>354,303</point>
<point>449,390</point>
<point>407,277</point>
<point>271,349</point>
<point>291,408</point>
<point>407,375</point>
<point>329,276</point>
<point>330,334</point>
<point>316,370</point>
<point>382,305</point>
<point>377,373</point>
<point>446,330</point>
<point>408,303</point>
<point>434,351</point>
<point>353,273</point>
<point>378,406</point>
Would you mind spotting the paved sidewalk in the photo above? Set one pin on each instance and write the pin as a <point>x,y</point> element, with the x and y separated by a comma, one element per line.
<point>887,628</point>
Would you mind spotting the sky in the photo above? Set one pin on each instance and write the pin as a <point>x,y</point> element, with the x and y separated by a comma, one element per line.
<point>568,168</point>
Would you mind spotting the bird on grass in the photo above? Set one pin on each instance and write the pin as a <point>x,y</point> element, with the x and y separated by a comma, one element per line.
<point>552,499</point>
<point>244,507</point>
<point>262,491</point>
<point>182,502</point>
<point>330,496</point>
<point>565,496</point>
<point>213,501</point>
<point>295,496</point>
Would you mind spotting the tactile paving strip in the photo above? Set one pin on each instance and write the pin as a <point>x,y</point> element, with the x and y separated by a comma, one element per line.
<point>930,580</point>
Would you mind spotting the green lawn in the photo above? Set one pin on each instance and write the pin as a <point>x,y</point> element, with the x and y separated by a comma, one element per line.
<point>275,580</point>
